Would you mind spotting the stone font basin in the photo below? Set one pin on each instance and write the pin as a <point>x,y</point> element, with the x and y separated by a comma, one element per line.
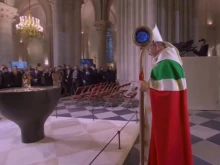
<point>29,108</point>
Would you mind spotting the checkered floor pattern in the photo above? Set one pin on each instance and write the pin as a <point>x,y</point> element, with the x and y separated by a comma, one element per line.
<point>205,138</point>
<point>205,128</point>
<point>66,108</point>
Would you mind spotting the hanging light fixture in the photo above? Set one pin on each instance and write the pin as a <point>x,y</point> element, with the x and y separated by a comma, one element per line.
<point>29,26</point>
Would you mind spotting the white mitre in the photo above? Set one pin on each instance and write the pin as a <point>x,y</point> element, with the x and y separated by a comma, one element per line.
<point>156,34</point>
<point>157,37</point>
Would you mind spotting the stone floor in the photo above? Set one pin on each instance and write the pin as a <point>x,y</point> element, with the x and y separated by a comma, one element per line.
<point>69,141</point>
<point>205,129</point>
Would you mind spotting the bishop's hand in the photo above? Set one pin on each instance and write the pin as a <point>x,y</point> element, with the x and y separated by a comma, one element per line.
<point>144,86</point>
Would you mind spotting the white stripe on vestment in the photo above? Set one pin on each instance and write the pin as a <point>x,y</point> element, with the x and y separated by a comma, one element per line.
<point>168,85</point>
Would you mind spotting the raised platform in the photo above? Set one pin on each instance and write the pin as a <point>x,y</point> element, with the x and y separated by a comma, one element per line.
<point>68,141</point>
<point>202,76</point>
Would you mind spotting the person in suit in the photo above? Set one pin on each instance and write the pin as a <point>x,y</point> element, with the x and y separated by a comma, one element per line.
<point>102,75</point>
<point>16,77</point>
<point>95,76</point>
<point>47,78</point>
<point>87,75</point>
<point>6,78</point>
<point>68,79</point>
<point>111,75</point>
<point>76,79</point>
<point>57,77</point>
<point>36,77</point>
<point>203,50</point>
<point>1,76</point>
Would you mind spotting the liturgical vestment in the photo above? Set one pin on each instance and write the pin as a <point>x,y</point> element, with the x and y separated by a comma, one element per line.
<point>170,142</point>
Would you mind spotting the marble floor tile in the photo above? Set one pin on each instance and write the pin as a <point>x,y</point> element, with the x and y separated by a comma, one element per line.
<point>96,111</point>
<point>68,132</point>
<point>195,139</point>
<point>208,151</point>
<point>99,107</point>
<point>98,126</point>
<point>64,115</point>
<point>217,119</point>
<point>6,144</point>
<point>64,111</point>
<point>216,112</point>
<point>77,109</point>
<point>8,132</point>
<point>49,162</point>
<point>124,112</point>
<point>198,161</point>
<point>129,116</point>
<point>61,108</point>
<point>60,105</point>
<point>208,115</point>
<point>75,145</point>
<point>105,115</point>
<point>117,118</point>
<point>80,113</point>
<point>212,124</point>
<point>71,141</point>
<point>203,132</point>
<point>6,124</point>
<point>133,157</point>
<point>3,158</point>
<point>197,119</point>
<point>31,155</point>
<point>215,139</point>
<point>202,128</point>
<point>193,112</point>
<point>71,106</point>
<point>191,124</point>
<point>115,108</point>
<point>88,117</point>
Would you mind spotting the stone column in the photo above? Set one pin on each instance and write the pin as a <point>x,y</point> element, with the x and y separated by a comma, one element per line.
<point>50,45</point>
<point>129,18</point>
<point>191,18</point>
<point>58,32</point>
<point>181,21</point>
<point>195,20</point>
<point>158,13</point>
<point>177,21</point>
<point>164,19</point>
<point>77,32</point>
<point>101,28</point>
<point>69,32</point>
<point>85,44</point>
<point>7,13</point>
<point>113,32</point>
<point>186,24</point>
<point>152,12</point>
<point>170,22</point>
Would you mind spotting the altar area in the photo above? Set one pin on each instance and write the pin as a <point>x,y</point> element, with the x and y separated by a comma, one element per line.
<point>203,82</point>
<point>69,141</point>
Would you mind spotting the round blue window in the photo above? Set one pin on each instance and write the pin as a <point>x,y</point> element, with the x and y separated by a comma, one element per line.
<point>142,36</point>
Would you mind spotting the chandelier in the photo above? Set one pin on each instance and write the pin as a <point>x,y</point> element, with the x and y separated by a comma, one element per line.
<point>29,26</point>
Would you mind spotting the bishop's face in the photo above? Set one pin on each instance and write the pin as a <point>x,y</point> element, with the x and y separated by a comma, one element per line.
<point>154,49</point>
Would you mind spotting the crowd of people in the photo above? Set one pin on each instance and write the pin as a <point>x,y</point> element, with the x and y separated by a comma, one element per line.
<point>65,76</point>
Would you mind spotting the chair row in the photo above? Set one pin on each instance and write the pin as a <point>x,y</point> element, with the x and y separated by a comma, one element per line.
<point>104,93</point>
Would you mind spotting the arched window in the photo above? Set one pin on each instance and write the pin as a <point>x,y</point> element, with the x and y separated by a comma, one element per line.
<point>109,47</point>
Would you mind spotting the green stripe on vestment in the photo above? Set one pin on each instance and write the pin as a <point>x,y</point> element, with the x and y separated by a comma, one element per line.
<point>167,69</point>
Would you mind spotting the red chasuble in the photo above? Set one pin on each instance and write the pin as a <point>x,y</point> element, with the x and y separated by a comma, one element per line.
<point>170,138</point>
